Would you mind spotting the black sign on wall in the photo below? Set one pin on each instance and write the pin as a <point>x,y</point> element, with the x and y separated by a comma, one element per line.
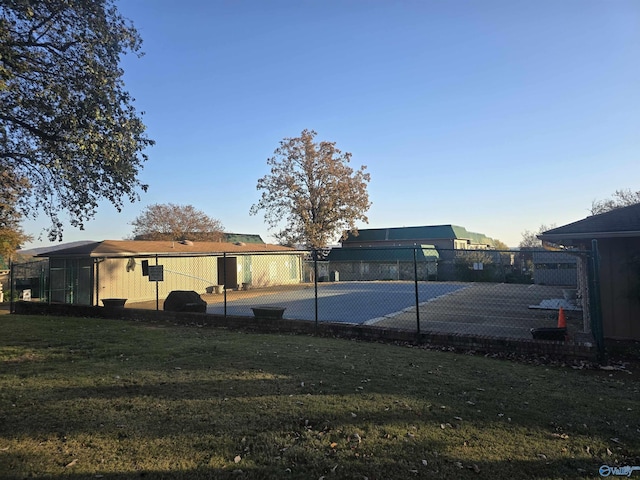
<point>156,273</point>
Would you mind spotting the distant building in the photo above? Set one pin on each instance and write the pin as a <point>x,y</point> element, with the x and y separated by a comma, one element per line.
<point>384,253</point>
<point>450,237</point>
<point>554,268</point>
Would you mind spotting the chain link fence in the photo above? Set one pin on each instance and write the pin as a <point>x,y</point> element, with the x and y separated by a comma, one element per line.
<point>503,294</point>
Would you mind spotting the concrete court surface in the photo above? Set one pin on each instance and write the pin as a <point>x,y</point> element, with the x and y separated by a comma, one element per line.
<point>499,310</point>
<point>343,302</point>
<point>491,309</point>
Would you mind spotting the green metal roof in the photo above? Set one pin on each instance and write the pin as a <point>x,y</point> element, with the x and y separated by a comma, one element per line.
<point>242,237</point>
<point>399,254</point>
<point>418,233</point>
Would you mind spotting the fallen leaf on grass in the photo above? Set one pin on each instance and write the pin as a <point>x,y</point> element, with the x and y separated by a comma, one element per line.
<point>237,459</point>
<point>333,445</point>
<point>72,463</point>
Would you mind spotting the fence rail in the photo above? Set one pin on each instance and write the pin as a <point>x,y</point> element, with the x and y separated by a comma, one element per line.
<point>503,294</point>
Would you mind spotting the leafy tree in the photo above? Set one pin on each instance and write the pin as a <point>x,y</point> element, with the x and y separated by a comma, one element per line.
<point>68,131</point>
<point>11,234</point>
<point>176,222</point>
<point>622,198</point>
<point>500,245</point>
<point>313,190</point>
<point>530,239</point>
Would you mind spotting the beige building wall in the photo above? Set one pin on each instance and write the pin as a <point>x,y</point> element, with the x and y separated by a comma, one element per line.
<point>122,277</point>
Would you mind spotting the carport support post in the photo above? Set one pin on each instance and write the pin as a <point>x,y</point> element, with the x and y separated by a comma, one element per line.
<point>415,282</point>
<point>96,262</point>
<point>11,286</point>
<point>594,302</point>
<point>157,289</point>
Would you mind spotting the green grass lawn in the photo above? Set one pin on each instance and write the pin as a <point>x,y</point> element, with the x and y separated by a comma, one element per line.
<point>111,399</point>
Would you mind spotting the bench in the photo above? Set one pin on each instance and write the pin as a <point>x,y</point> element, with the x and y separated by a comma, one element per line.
<point>268,313</point>
<point>557,334</point>
<point>114,302</point>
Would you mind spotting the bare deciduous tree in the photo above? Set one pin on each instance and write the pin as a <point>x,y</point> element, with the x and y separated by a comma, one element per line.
<point>622,198</point>
<point>313,191</point>
<point>176,222</point>
<point>530,239</point>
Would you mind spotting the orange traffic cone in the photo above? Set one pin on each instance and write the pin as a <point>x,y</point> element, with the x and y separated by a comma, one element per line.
<point>562,322</point>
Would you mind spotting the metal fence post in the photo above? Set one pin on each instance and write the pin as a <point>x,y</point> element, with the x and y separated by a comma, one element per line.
<point>224,279</point>
<point>415,281</point>
<point>12,307</point>
<point>595,302</point>
<point>315,283</point>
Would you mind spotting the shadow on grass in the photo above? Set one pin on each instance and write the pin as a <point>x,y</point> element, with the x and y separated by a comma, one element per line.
<point>441,467</point>
<point>138,393</point>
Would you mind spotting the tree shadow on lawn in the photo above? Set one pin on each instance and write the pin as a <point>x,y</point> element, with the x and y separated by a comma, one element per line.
<point>203,384</point>
<point>248,407</point>
<point>325,464</point>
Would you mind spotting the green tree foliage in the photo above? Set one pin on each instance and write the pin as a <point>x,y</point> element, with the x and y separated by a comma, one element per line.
<point>68,131</point>
<point>621,198</point>
<point>313,191</point>
<point>176,222</point>
<point>11,234</point>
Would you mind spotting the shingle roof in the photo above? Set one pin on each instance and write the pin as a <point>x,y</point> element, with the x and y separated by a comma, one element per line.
<point>621,222</point>
<point>125,248</point>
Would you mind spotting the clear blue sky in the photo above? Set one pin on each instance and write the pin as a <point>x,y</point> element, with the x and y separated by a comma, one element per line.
<point>498,116</point>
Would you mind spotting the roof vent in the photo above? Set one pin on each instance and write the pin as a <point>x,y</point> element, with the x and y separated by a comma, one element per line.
<point>240,244</point>
<point>186,242</point>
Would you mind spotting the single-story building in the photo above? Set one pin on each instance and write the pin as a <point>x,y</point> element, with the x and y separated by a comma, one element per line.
<point>87,273</point>
<point>554,268</point>
<point>356,264</point>
<point>617,233</point>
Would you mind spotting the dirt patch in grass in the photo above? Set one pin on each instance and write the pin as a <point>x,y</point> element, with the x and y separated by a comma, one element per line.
<point>94,398</point>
